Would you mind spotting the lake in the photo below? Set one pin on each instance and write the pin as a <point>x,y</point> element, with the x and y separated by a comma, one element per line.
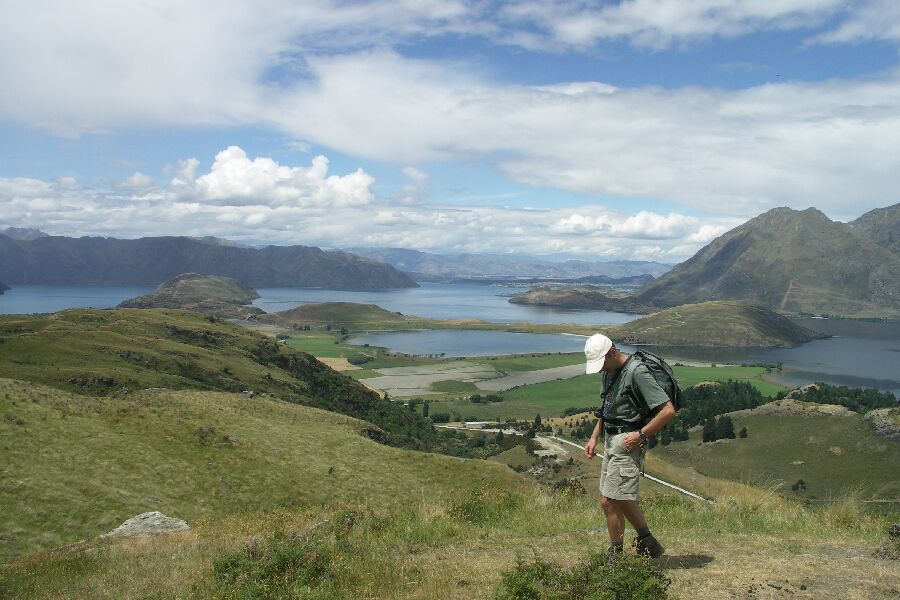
<point>863,354</point>
<point>454,344</point>
<point>443,301</point>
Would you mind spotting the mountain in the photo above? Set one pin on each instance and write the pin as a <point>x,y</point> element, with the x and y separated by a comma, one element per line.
<point>790,261</point>
<point>3,288</point>
<point>61,260</point>
<point>425,266</point>
<point>17,233</point>
<point>714,324</point>
<point>881,226</point>
<point>208,294</point>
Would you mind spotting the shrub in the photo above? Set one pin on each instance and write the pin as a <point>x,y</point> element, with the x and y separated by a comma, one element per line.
<point>281,560</point>
<point>626,578</point>
<point>484,505</point>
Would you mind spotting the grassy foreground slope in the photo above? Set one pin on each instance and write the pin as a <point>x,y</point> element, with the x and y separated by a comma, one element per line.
<point>76,466</point>
<point>106,351</point>
<point>461,545</point>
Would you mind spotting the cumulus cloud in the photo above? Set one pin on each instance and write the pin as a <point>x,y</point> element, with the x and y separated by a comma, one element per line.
<point>258,200</point>
<point>236,179</point>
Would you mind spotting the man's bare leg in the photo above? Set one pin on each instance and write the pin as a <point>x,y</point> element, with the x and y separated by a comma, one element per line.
<point>615,524</point>
<point>632,512</point>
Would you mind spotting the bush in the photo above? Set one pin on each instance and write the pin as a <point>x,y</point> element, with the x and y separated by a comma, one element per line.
<point>626,578</point>
<point>484,505</point>
<point>281,560</point>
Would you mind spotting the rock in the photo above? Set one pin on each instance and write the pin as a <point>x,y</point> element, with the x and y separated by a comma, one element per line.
<point>147,524</point>
<point>886,422</point>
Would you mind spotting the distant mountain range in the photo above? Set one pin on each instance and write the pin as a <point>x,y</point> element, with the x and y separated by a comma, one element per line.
<point>18,233</point>
<point>94,260</point>
<point>789,261</point>
<point>424,266</point>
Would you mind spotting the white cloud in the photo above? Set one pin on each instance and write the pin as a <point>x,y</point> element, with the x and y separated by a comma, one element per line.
<point>236,179</point>
<point>417,188</point>
<point>260,200</point>
<point>137,181</point>
<point>100,64</point>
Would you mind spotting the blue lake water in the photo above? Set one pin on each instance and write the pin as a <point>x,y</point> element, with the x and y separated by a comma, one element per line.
<point>27,299</point>
<point>862,354</point>
<point>452,344</point>
<point>443,301</point>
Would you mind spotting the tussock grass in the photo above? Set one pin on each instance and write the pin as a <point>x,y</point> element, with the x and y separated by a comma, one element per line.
<point>474,543</point>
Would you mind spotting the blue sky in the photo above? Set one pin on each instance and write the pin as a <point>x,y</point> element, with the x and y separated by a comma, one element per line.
<point>636,129</point>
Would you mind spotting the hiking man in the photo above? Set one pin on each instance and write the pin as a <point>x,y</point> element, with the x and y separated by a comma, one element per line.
<point>625,436</point>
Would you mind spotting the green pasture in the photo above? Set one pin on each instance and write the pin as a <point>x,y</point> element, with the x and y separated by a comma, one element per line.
<point>550,399</point>
<point>534,362</point>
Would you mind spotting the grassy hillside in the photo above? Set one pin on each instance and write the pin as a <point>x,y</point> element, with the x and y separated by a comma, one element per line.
<point>716,324</point>
<point>75,466</point>
<point>106,351</point>
<point>209,294</point>
<point>478,544</point>
<point>833,455</point>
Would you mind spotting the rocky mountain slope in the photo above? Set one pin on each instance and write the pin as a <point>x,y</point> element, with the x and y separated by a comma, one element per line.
<point>61,260</point>
<point>881,226</point>
<point>790,261</point>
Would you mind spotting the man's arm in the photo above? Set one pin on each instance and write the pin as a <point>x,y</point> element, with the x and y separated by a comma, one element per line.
<point>590,448</point>
<point>662,418</point>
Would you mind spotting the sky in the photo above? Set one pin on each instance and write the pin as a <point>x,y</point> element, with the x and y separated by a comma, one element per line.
<point>632,129</point>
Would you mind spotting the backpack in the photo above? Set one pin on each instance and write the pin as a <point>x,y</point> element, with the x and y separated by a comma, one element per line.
<point>663,375</point>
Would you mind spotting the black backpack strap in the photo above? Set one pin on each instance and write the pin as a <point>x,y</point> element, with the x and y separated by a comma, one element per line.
<point>634,392</point>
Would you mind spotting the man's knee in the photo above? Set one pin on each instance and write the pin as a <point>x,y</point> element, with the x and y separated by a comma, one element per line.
<point>608,504</point>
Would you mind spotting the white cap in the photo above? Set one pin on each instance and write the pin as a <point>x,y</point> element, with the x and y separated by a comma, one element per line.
<point>595,350</point>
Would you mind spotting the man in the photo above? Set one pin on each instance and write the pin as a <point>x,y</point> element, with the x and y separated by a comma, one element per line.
<point>624,441</point>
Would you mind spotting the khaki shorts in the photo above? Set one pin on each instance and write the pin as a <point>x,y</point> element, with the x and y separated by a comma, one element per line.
<point>621,470</point>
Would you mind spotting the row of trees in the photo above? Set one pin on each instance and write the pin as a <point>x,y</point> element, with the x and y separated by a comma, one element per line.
<point>859,400</point>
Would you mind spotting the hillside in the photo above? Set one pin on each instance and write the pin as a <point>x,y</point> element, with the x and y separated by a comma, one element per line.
<point>85,464</point>
<point>880,226</point>
<point>61,260</point>
<point>20,233</point>
<point>209,294</point>
<point>582,297</point>
<point>714,324</point>
<point>834,451</point>
<point>426,266</point>
<point>100,352</point>
<point>790,261</point>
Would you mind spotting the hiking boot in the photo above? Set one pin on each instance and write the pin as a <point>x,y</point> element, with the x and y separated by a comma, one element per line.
<point>648,546</point>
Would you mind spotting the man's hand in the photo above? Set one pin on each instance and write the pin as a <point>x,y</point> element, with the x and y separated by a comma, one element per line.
<point>589,450</point>
<point>632,441</point>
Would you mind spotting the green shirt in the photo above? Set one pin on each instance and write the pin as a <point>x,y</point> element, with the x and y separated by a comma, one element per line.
<point>621,407</point>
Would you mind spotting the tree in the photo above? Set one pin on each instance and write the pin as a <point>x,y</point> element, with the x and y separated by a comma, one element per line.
<point>537,421</point>
<point>425,409</point>
<point>709,430</point>
<point>724,428</point>
<point>743,432</point>
<point>799,486</point>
